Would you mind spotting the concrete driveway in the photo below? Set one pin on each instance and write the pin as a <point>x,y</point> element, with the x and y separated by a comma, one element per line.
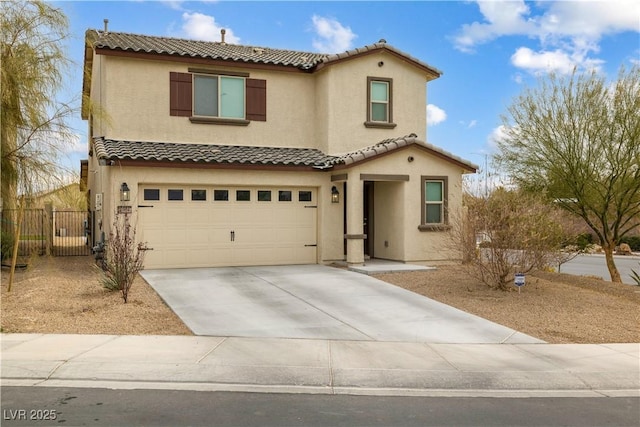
<point>316,302</point>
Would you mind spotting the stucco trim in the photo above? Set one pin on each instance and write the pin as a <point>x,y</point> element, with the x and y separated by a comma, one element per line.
<point>218,121</point>
<point>355,236</point>
<point>382,177</point>
<point>217,72</point>
<point>379,125</point>
<point>340,177</point>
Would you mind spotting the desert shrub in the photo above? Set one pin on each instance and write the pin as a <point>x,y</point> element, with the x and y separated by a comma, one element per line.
<point>632,241</point>
<point>523,232</point>
<point>6,245</point>
<point>583,240</point>
<point>124,259</point>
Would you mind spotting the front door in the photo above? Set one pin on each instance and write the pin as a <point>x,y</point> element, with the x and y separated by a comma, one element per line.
<point>368,217</point>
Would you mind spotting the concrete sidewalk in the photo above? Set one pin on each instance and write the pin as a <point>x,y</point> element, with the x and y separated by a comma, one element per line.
<point>320,366</point>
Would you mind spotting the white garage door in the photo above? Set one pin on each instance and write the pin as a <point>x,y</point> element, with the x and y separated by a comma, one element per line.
<point>227,226</point>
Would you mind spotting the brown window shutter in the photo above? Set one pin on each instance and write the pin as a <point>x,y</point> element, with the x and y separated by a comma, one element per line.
<point>256,94</point>
<point>180,94</point>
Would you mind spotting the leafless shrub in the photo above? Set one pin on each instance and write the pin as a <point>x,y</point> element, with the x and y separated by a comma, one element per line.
<point>124,259</point>
<point>514,233</point>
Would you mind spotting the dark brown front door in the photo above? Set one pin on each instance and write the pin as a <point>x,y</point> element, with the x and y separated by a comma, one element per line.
<point>367,220</point>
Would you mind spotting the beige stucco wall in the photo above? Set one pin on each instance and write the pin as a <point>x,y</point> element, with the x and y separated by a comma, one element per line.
<point>399,205</point>
<point>344,110</point>
<point>143,113</point>
<point>324,110</point>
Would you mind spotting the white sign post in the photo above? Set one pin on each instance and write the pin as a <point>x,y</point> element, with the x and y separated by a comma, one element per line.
<point>519,281</point>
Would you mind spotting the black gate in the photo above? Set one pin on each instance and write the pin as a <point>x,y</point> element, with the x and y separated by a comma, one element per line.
<point>70,233</point>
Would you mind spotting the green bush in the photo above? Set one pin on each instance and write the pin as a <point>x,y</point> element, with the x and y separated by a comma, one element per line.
<point>583,240</point>
<point>6,246</point>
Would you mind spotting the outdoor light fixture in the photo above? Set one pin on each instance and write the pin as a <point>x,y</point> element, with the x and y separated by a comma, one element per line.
<point>125,193</point>
<point>335,195</point>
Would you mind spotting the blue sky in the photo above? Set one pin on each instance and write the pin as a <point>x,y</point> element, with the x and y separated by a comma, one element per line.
<point>488,50</point>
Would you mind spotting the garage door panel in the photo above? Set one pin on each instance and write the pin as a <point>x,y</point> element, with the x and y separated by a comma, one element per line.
<point>197,236</point>
<point>176,237</point>
<point>199,233</point>
<point>198,216</point>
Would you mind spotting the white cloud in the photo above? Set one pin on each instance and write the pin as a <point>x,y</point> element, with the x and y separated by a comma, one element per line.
<point>76,144</point>
<point>333,36</point>
<point>557,60</point>
<point>497,134</point>
<point>435,115</point>
<point>204,27</point>
<point>503,18</point>
<point>174,4</point>
<point>568,32</point>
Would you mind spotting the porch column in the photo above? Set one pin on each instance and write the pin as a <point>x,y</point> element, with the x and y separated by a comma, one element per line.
<point>354,236</point>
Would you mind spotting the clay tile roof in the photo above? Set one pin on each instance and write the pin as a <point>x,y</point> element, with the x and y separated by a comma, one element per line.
<point>203,49</point>
<point>238,53</point>
<point>389,145</point>
<point>110,149</point>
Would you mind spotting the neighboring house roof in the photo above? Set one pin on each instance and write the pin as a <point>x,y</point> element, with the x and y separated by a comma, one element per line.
<point>237,53</point>
<point>145,151</point>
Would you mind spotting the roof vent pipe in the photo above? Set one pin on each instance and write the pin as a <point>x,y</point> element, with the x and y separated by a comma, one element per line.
<point>222,33</point>
<point>106,25</point>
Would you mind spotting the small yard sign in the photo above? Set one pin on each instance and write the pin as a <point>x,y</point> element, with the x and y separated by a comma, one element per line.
<point>519,281</point>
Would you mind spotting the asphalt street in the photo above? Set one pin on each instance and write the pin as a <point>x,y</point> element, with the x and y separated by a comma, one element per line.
<point>595,265</point>
<point>26,406</point>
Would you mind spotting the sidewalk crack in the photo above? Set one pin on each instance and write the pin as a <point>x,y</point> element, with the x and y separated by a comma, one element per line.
<point>330,368</point>
<point>211,351</point>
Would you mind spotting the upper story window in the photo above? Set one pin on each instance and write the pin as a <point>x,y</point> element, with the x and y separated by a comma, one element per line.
<point>217,97</point>
<point>379,103</point>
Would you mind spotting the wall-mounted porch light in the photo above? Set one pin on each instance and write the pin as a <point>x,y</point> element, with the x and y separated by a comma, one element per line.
<point>335,195</point>
<point>125,193</point>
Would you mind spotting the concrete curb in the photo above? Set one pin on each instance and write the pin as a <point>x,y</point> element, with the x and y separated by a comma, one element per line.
<point>320,366</point>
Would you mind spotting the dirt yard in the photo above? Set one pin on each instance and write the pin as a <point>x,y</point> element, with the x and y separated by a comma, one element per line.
<point>63,295</point>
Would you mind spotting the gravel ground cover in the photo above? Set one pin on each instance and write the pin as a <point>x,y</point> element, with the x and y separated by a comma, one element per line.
<point>557,308</point>
<point>63,295</point>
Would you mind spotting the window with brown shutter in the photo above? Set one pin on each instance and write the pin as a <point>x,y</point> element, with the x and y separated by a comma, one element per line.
<point>256,93</point>
<point>180,94</point>
<point>181,98</point>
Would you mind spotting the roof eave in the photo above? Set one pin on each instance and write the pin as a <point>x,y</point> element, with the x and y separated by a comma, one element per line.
<point>431,72</point>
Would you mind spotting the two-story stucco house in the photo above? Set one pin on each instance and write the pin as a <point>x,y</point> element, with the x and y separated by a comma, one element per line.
<point>240,155</point>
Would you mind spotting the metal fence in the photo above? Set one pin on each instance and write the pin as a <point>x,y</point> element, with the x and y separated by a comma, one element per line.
<point>64,233</point>
<point>70,233</point>
<point>33,231</point>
